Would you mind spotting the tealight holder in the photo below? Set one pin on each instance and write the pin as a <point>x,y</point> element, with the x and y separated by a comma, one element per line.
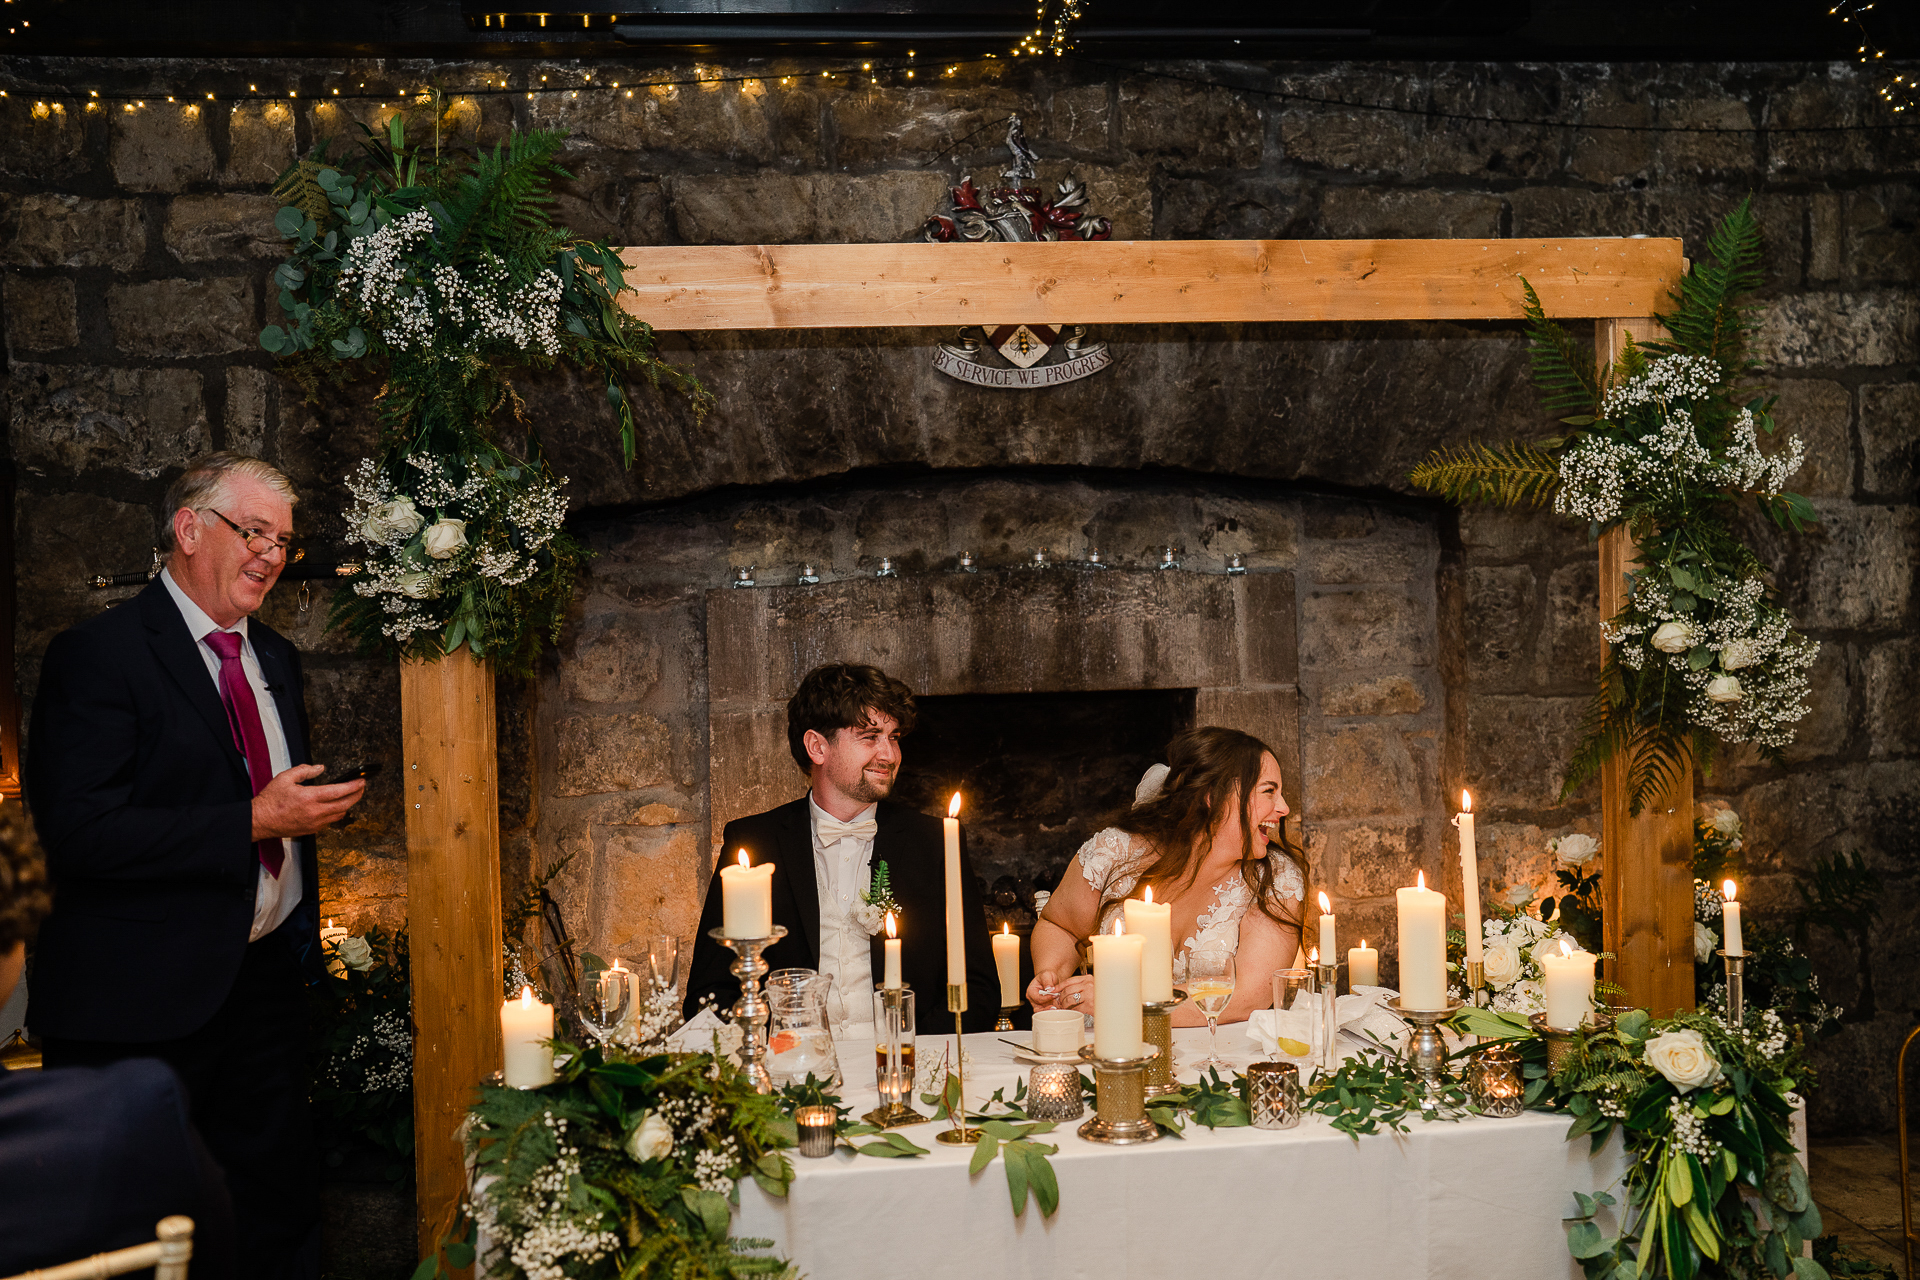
<point>1120,1100</point>
<point>1559,1041</point>
<point>1427,1050</point>
<point>886,569</point>
<point>1004,1022</point>
<point>1736,962</point>
<point>1096,557</point>
<point>743,576</point>
<point>808,575</point>
<point>1169,559</point>
<point>1235,565</point>
<point>1054,1093</point>
<point>1273,1093</point>
<point>967,563</point>
<point>1156,1028</point>
<point>816,1126</point>
<point>1495,1082</point>
<point>1040,558</point>
<point>893,1059</point>
<point>751,1013</point>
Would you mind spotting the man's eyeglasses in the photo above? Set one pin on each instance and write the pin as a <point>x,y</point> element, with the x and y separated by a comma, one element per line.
<point>257,542</point>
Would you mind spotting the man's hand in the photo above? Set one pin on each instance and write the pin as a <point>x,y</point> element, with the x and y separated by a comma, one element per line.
<point>285,809</point>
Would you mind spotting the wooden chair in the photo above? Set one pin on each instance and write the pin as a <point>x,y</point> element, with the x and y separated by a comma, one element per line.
<point>167,1256</point>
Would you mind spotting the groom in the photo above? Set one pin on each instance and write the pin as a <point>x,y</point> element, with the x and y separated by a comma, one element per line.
<point>844,726</point>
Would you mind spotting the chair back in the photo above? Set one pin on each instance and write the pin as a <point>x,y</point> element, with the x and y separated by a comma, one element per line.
<point>167,1255</point>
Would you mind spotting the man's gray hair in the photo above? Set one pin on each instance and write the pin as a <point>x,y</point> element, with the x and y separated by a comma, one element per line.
<point>204,484</point>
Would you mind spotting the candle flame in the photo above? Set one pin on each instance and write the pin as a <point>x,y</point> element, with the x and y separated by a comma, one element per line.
<point>1005,927</point>
<point>1313,956</point>
<point>1119,925</point>
<point>1566,948</point>
<point>1727,890</point>
<point>953,806</point>
<point>1466,803</point>
<point>526,997</point>
<point>329,922</point>
<point>1326,908</point>
<point>618,967</point>
<point>1149,894</point>
<point>891,931</point>
<point>1363,944</point>
<point>1420,879</point>
<point>743,859</point>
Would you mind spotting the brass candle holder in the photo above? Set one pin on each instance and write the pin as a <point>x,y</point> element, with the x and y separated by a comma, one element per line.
<point>751,1014</point>
<point>960,1135</point>
<point>1427,1051</point>
<point>1474,975</point>
<point>1120,1100</point>
<point>893,1018</point>
<point>1156,1028</point>
<point>1736,962</point>
<point>1005,1021</point>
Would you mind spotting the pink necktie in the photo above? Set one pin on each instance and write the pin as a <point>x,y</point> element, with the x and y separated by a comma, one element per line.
<point>243,716</point>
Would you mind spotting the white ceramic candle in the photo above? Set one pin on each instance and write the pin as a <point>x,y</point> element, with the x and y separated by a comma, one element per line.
<point>746,899</point>
<point>1469,876</point>
<point>956,916</point>
<point>1006,959</point>
<point>1326,930</point>
<point>524,1024</point>
<point>1363,965</point>
<point>1569,985</point>
<point>890,978</point>
<point>1152,922</point>
<point>1732,943</point>
<point>1116,995</point>
<point>1423,946</point>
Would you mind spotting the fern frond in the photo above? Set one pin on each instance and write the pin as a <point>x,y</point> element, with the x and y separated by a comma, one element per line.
<point>1707,319</point>
<point>299,187</point>
<point>1562,367</point>
<point>1510,475</point>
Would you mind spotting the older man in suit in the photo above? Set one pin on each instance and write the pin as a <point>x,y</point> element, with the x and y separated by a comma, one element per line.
<point>167,768</point>
<point>844,726</point>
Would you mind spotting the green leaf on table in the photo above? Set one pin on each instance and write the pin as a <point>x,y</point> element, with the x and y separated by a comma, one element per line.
<point>774,1172</point>
<point>1016,1166</point>
<point>983,1151</point>
<point>1585,1241</point>
<point>1045,1186</point>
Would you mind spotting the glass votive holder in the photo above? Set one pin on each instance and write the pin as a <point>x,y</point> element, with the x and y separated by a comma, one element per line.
<point>816,1125</point>
<point>1053,1093</point>
<point>1496,1083</point>
<point>1289,985</point>
<point>1273,1091</point>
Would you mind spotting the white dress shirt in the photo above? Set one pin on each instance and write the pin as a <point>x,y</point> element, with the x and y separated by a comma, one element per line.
<point>274,897</point>
<point>841,870</point>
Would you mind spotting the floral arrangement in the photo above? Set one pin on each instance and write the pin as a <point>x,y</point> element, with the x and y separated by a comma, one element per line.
<point>1513,941</point>
<point>877,900</point>
<point>1664,446</point>
<point>363,1051</point>
<point>445,273</point>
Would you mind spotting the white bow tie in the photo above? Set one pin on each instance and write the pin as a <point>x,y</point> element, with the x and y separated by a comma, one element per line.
<point>831,830</point>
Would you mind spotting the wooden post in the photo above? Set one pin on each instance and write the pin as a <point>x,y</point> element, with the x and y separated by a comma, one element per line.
<point>452,798</point>
<point>1647,861</point>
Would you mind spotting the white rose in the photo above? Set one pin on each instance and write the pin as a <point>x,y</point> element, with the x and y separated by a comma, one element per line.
<point>1576,850</point>
<point>651,1139</point>
<point>1532,930</point>
<point>1705,941</point>
<point>417,586</point>
<point>446,536</point>
<point>391,521</point>
<point>1738,654</point>
<point>1682,1057</point>
<point>1726,823</point>
<point>1502,963</point>
<point>355,953</point>
<point>1724,689</point>
<point>1673,637</point>
<point>1518,895</point>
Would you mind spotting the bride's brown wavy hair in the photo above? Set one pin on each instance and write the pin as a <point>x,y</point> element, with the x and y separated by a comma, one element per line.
<point>1208,769</point>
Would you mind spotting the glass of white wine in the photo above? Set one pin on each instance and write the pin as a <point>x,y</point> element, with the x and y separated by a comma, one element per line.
<point>1209,983</point>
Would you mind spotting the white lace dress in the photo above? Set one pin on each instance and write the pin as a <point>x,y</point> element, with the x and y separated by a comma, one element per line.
<point>1111,862</point>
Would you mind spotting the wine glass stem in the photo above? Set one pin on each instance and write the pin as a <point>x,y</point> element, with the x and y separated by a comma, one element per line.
<point>1213,1040</point>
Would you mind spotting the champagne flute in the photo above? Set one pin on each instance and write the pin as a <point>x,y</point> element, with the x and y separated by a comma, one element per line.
<point>604,1001</point>
<point>1210,986</point>
<point>663,960</point>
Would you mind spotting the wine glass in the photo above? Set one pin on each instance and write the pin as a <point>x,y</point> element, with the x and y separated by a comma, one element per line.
<point>604,1001</point>
<point>1209,985</point>
<point>663,960</point>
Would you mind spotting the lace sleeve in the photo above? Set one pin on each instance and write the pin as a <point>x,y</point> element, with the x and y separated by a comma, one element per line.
<point>1106,859</point>
<point>1287,884</point>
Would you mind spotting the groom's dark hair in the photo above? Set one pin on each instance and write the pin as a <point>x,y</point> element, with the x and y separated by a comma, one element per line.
<point>843,695</point>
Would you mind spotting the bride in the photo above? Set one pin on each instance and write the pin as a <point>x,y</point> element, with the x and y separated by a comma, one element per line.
<point>1205,833</point>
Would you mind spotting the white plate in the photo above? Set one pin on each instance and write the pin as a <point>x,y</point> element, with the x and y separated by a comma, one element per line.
<point>1042,1057</point>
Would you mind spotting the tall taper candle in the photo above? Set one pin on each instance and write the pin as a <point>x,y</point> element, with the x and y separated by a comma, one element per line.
<point>956,916</point>
<point>1153,923</point>
<point>1006,959</point>
<point>1730,920</point>
<point>1423,946</point>
<point>1117,1016</point>
<point>1469,876</point>
<point>746,899</point>
<point>1326,930</point>
<point>890,979</point>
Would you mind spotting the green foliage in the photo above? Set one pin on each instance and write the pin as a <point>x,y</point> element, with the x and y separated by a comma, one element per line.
<point>1708,318</point>
<point>1025,1162</point>
<point>363,1060</point>
<point>1562,368</point>
<point>1840,1263</point>
<point>1509,475</point>
<point>1372,1089</point>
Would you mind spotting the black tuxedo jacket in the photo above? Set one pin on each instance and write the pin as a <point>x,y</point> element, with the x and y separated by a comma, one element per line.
<point>913,847</point>
<point>146,812</point>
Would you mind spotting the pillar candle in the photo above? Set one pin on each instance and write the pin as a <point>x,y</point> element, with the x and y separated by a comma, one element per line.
<point>524,1024</point>
<point>1469,876</point>
<point>1006,958</point>
<point>1569,985</point>
<point>1423,946</point>
<point>746,899</point>
<point>1116,995</point>
<point>332,936</point>
<point>891,978</point>
<point>1326,930</point>
<point>1363,966</point>
<point>1732,942</point>
<point>1152,922</point>
<point>956,917</point>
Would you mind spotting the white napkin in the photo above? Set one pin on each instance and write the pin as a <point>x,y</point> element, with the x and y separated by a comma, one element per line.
<point>1359,1016</point>
<point>696,1036</point>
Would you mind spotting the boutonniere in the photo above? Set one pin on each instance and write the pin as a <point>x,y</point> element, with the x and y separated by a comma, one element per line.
<point>877,901</point>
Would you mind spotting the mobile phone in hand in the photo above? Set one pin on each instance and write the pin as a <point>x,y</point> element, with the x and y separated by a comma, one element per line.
<point>347,774</point>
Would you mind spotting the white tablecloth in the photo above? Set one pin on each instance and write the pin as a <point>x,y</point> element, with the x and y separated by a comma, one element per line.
<point>1479,1199</point>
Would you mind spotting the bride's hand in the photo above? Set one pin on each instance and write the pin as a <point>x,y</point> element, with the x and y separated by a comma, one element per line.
<point>1040,992</point>
<point>1075,993</point>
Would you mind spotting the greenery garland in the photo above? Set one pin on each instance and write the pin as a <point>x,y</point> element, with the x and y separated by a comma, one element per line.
<point>445,273</point>
<point>1665,447</point>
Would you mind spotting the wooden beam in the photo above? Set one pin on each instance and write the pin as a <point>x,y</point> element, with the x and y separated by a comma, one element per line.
<point>453,913</point>
<point>1646,860</point>
<point>830,286</point>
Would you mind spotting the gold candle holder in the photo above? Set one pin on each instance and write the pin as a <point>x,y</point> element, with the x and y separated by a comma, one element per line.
<point>893,1019</point>
<point>1156,1028</point>
<point>1005,1021</point>
<point>1120,1100</point>
<point>960,1135</point>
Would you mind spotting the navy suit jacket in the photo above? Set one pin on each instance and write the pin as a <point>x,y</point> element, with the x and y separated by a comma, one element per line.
<point>145,809</point>
<point>91,1158</point>
<point>913,847</point>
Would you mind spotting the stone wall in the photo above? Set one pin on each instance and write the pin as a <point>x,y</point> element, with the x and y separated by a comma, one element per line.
<point>1459,645</point>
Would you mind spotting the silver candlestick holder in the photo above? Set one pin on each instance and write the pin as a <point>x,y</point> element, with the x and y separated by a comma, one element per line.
<point>750,1015</point>
<point>1120,1099</point>
<point>1427,1051</point>
<point>1736,962</point>
<point>1156,1028</point>
<point>1328,976</point>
